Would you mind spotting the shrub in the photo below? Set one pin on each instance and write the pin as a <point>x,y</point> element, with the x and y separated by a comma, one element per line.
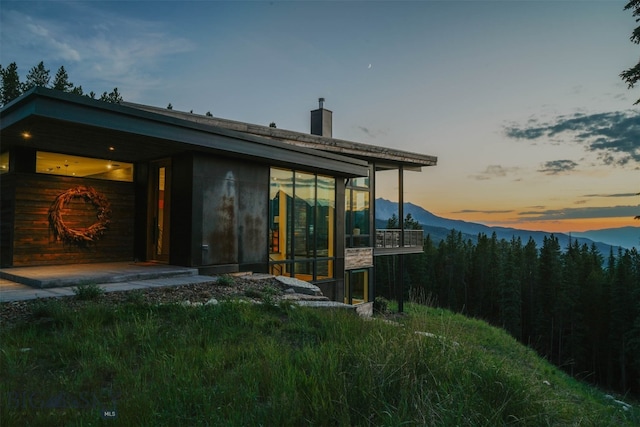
<point>88,291</point>
<point>225,280</point>
<point>135,297</point>
<point>381,305</point>
<point>50,307</point>
<point>253,293</point>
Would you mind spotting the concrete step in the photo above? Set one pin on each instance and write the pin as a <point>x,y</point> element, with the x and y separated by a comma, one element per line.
<point>55,276</point>
<point>299,286</point>
<point>304,297</point>
<point>362,310</point>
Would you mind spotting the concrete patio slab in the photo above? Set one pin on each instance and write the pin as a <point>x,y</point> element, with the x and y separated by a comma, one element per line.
<point>53,276</point>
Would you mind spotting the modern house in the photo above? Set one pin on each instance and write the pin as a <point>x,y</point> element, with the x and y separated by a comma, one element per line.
<point>85,181</point>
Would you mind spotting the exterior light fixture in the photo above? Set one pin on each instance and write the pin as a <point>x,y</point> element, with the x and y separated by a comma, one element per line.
<point>25,135</point>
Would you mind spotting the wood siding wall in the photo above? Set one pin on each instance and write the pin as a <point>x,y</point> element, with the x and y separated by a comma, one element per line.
<point>358,258</point>
<point>33,239</point>
<point>7,201</point>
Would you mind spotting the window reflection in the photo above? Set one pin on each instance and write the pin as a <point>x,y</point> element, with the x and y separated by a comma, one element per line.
<point>302,224</point>
<point>357,209</point>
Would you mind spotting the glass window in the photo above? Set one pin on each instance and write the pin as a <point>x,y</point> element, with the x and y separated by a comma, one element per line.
<point>304,218</point>
<point>302,224</point>
<point>357,210</point>
<point>280,196</point>
<point>4,162</point>
<point>86,167</point>
<point>325,216</point>
<point>324,269</point>
<point>362,182</point>
<point>356,286</point>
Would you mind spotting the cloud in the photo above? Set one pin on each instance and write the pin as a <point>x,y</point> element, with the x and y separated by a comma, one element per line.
<point>27,32</point>
<point>366,131</point>
<point>100,51</point>
<point>555,167</point>
<point>493,171</point>
<point>464,211</point>
<point>611,195</point>
<point>613,136</point>
<point>581,213</point>
<point>371,133</point>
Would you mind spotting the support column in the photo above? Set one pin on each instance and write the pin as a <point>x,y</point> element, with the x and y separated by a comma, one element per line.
<point>401,221</point>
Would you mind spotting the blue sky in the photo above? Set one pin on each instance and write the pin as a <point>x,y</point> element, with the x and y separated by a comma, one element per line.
<point>520,100</point>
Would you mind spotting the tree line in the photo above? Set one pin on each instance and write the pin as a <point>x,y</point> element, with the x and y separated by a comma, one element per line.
<point>40,76</point>
<point>576,308</point>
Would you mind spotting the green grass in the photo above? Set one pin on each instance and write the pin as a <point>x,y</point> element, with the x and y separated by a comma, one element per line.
<point>240,364</point>
<point>88,291</point>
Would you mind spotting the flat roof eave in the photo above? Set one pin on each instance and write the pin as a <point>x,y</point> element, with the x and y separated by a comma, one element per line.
<point>48,106</point>
<point>367,152</point>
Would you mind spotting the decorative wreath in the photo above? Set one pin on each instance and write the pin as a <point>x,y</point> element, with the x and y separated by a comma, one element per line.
<point>83,235</point>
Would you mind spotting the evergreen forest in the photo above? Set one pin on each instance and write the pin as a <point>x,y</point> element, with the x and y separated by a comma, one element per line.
<point>576,307</point>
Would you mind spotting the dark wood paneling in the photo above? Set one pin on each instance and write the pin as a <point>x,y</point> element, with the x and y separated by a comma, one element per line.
<point>33,240</point>
<point>7,182</point>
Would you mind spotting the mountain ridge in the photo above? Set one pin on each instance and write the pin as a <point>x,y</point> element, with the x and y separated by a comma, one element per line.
<point>438,227</point>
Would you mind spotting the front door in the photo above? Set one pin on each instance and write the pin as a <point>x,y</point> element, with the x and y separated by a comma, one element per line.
<point>159,210</point>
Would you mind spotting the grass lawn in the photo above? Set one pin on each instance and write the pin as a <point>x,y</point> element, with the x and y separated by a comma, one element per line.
<point>241,364</point>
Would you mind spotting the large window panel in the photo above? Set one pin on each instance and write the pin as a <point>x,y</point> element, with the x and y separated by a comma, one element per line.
<point>302,224</point>
<point>304,218</point>
<point>357,220</point>
<point>325,216</point>
<point>280,196</point>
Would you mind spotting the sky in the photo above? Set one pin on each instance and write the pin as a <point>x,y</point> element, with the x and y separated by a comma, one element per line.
<point>521,101</point>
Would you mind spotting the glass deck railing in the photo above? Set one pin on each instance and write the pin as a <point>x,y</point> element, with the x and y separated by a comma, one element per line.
<point>390,238</point>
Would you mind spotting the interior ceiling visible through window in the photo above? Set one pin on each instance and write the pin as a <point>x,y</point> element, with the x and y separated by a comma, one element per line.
<point>64,164</point>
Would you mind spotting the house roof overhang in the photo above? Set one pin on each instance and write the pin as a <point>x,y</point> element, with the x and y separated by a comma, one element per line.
<point>79,125</point>
<point>384,158</point>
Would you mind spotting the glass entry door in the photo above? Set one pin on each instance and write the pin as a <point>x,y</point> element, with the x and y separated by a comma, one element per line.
<point>159,210</point>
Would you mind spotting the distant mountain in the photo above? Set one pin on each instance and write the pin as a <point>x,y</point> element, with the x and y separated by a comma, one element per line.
<point>439,227</point>
<point>627,237</point>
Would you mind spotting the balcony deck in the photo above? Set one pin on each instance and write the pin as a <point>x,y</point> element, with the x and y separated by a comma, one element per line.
<point>388,242</point>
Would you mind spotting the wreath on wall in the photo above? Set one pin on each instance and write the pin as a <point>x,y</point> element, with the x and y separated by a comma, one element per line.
<point>80,235</point>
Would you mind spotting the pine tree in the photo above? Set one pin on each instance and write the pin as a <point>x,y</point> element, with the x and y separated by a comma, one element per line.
<point>622,319</point>
<point>479,276</point>
<point>510,287</point>
<point>529,290</point>
<point>61,81</point>
<point>633,331</point>
<point>550,282</point>
<point>77,90</point>
<point>113,97</point>
<point>38,76</point>
<point>632,75</point>
<point>453,256</point>
<point>11,86</point>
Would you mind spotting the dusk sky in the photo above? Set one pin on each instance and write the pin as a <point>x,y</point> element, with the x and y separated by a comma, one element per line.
<point>521,101</point>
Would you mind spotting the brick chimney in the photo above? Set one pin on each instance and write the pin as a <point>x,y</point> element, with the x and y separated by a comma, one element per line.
<point>321,120</point>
